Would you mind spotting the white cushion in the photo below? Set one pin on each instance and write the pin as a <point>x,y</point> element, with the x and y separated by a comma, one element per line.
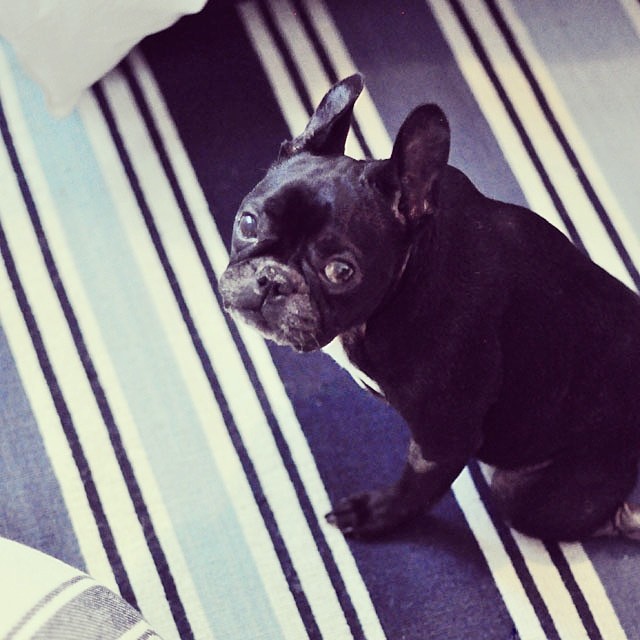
<point>66,45</point>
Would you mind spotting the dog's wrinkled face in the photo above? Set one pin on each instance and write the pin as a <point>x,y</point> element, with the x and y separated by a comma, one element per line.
<point>315,248</point>
<point>321,241</point>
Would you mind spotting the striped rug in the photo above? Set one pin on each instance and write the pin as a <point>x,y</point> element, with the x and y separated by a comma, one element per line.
<point>188,465</point>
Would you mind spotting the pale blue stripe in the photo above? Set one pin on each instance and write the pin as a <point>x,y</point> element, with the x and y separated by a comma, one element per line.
<point>593,54</point>
<point>200,508</point>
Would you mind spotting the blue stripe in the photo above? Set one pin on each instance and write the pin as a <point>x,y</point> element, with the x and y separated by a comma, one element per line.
<point>265,510</point>
<point>32,509</point>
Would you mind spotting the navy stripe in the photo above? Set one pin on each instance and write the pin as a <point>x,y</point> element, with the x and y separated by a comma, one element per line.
<point>564,142</point>
<point>486,63</point>
<point>573,588</point>
<point>80,460</point>
<point>281,443</point>
<point>328,67</point>
<point>247,465</point>
<point>124,463</point>
<point>289,62</point>
<point>515,555</point>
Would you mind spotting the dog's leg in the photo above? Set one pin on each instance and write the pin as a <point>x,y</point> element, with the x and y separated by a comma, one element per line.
<point>625,523</point>
<point>570,498</point>
<point>375,512</point>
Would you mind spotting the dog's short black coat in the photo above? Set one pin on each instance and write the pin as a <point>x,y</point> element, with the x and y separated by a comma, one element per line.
<point>491,334</point>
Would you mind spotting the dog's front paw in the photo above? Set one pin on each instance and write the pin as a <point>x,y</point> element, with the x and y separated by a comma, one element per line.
<point>370,514</point>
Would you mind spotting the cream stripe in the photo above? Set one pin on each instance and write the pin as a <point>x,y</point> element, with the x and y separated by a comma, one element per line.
<point>365,111</point>
<point>549,583</point>
<point>507,581</point>
<point>69,371</point>
<point>266,371</point>
<point>560,171</point>
<point>142,630</point>
<point>296,117</point>
<point>582,568</point>
<point>209,415</point>
<point>495,114</point>
<point>571,130</point>
<point>51,431</point>
<point>229,368</point>
<point>311,71</point>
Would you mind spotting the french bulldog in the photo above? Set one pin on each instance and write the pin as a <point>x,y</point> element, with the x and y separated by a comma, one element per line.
<point>491,334</point>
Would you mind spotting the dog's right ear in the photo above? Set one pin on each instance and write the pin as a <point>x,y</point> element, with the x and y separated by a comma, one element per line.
<point>326,132</point>
<point>420,153</point>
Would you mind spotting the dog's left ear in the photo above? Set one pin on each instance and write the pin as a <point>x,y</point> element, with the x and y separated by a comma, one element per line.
<point>420,153</point>
<point>326,132</point>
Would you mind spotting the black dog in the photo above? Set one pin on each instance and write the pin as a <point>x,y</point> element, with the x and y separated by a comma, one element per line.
<point>490,333</point>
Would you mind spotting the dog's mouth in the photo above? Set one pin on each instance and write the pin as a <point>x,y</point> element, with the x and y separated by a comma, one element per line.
<point>291,330</point>
<point>292,320</point>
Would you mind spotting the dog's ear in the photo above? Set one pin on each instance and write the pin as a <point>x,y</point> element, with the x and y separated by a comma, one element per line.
<point>420,153</point>
<point>326,132</point>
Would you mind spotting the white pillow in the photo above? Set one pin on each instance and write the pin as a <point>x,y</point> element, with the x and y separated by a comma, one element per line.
<point>66,45</point>
<point>45,598</point>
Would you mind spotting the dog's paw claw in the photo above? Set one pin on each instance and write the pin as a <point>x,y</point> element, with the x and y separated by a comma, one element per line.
<point>367,514</point>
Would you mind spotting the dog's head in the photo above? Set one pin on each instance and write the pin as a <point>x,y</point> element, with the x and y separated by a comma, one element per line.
<point>322,239</point>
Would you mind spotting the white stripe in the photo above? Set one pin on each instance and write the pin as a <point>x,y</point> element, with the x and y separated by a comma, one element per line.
<point>365,112</point>
<point>229,368</point>
<point>65,362</point>
<point>594,593</point>
<point>53,437</point>
<point>209,415</point>
<point>560,171</point>
<point>505,576</point>
<point>495,113</point>
<point>257,350</point>
<point>582,568</point>
<point>551,586</point>
<point>547,578</point>
<point>140,629</point>
<point>264,44</point>
<point>573,134</point>
<point>311,71</point>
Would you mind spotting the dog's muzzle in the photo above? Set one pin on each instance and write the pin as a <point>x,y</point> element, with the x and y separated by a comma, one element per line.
<point>275,299</point>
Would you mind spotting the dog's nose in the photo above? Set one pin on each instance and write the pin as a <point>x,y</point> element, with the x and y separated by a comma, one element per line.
<point>275,281</point>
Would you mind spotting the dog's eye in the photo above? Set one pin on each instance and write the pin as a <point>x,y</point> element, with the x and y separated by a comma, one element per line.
<point>248,226</point>
<point>338,271</point>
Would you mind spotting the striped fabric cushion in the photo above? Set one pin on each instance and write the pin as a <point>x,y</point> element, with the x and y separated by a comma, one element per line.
<point>44,598</point>
<point>187,465</point>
